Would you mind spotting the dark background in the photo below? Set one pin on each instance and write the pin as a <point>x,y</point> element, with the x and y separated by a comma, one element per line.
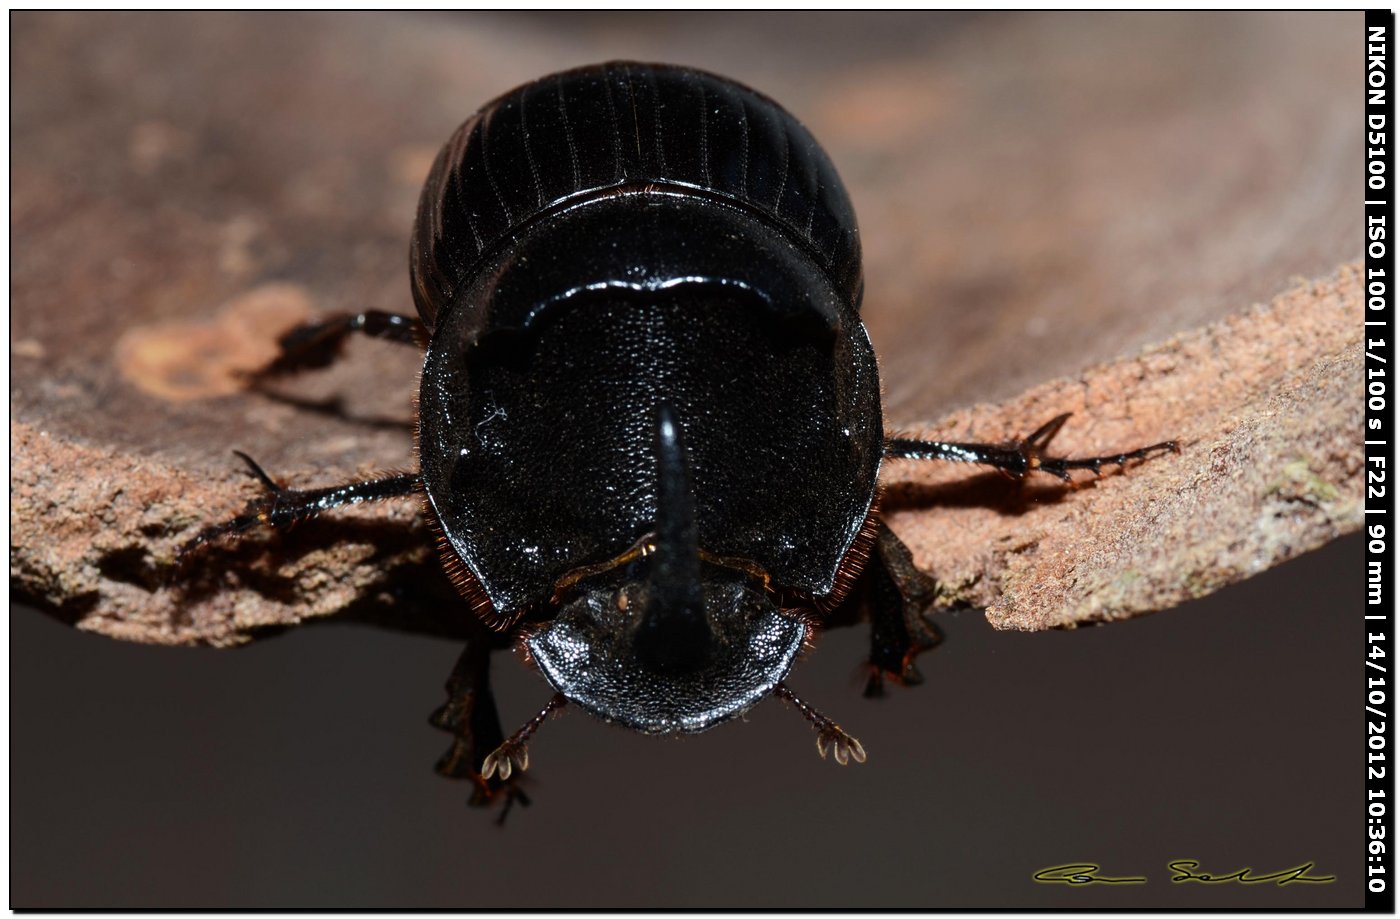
<point>1010,174</point>
<point>296,772</point>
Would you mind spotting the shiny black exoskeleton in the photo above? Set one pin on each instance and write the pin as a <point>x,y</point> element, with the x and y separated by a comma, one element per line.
<point>649,423</point>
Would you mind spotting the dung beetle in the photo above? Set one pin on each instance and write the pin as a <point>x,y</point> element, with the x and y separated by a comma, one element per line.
<point>649,425</point>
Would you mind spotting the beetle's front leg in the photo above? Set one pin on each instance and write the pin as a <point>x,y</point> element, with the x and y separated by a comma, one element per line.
<point>280,507</point>
<point>470,716</point>
<point>898,596</point>
<point>318,344</point>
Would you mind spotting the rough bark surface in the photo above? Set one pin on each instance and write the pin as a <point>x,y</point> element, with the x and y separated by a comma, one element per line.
<point>1037,194</point>
<point>1266,408</point>
<point>1264,405</point>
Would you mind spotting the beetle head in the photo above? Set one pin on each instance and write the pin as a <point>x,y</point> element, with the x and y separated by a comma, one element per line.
<point>668,642</point>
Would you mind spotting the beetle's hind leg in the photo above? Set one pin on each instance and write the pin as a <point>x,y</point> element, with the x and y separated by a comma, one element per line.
<point>470,716</point>
<point>898,598</point>
<point>1020,458</point>
<point>280,507</point>
<point>318,344</point>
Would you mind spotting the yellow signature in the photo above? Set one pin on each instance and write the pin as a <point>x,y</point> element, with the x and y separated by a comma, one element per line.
<point>1184,870</point>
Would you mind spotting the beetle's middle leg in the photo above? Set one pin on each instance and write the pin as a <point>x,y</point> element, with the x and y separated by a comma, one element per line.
<point>280,507</point>
<point>1019,458</point>
<point>898,596</point>
<point>318,344</point>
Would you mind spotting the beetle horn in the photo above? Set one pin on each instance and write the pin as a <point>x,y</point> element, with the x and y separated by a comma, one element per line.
<point>674,633</point>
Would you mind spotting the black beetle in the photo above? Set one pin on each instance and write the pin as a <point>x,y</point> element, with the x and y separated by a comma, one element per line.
<point>649,427</point>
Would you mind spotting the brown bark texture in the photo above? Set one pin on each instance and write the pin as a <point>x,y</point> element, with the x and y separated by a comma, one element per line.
<point>1265,406</point>
<point>1039,194</point>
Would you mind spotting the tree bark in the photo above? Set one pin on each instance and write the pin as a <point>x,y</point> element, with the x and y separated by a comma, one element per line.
<point>1038,194</point>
